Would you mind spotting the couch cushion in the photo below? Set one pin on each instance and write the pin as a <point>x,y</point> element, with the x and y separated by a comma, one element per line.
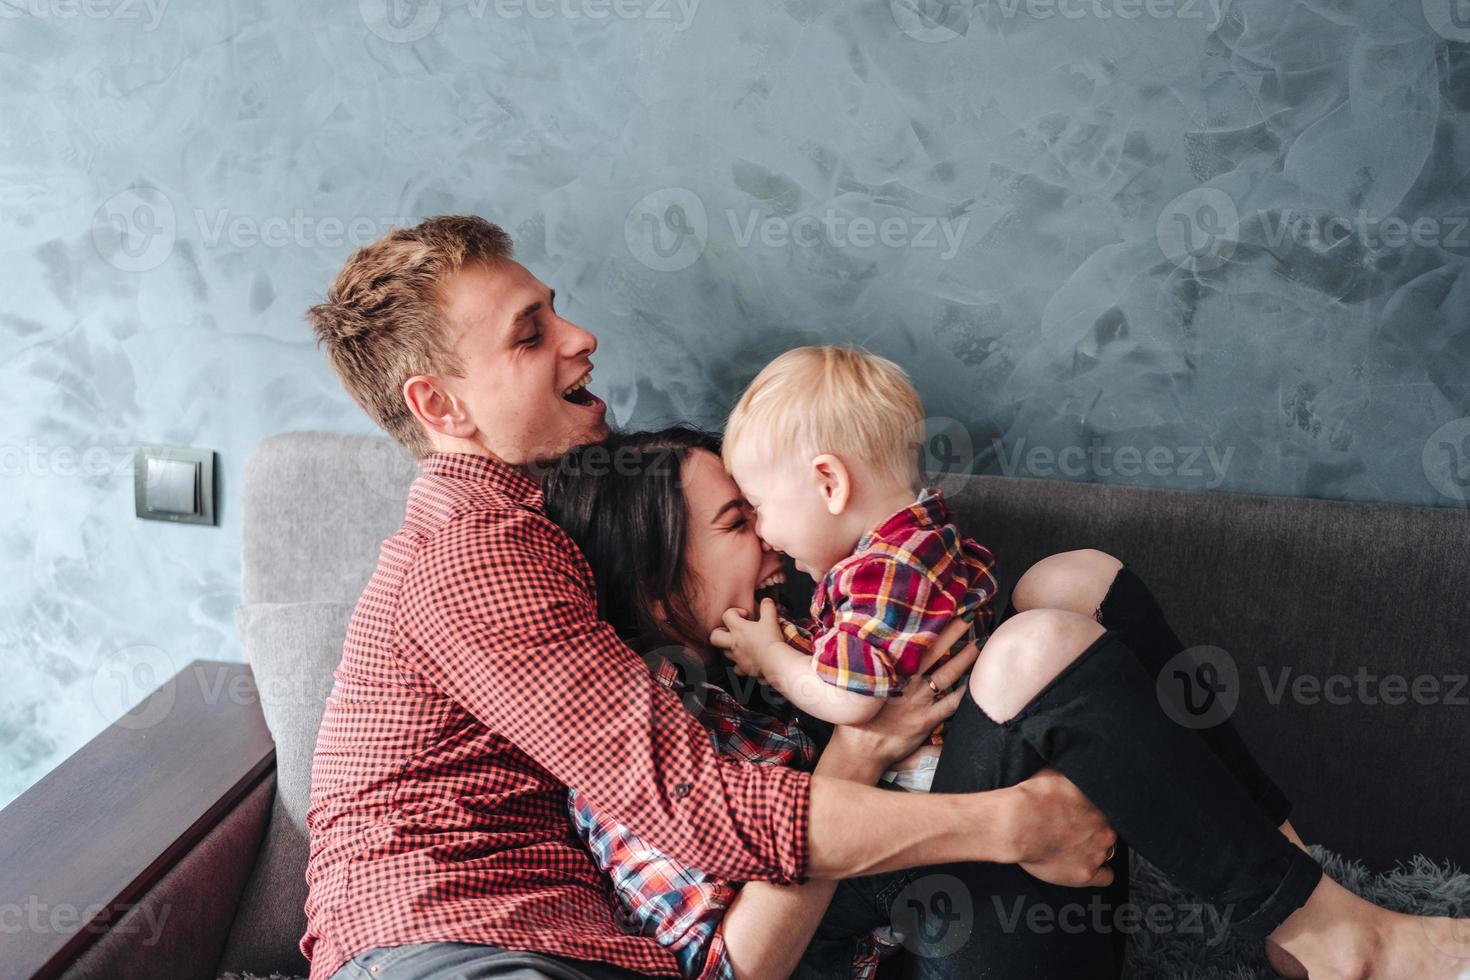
<point>315,506</point>
<point>293,648</point>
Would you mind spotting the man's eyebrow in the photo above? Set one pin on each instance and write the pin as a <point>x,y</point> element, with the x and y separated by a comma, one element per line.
<point>737,504</point>
<point>532,309</point>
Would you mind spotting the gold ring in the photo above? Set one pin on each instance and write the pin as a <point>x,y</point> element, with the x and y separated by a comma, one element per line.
<point>1111,851</point>
<point>933,687</point>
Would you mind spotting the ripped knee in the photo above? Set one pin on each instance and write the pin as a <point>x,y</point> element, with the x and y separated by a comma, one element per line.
<point>1024,655</point>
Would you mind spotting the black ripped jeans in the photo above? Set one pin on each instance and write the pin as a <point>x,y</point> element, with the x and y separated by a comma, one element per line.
<point>1177,784</point>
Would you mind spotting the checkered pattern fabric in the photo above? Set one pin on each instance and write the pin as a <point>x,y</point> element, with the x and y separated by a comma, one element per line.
<point>875,612</point>
<point>680,906</point>
<point>476,685</point>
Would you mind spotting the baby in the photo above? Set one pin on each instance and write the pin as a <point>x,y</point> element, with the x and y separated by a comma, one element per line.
<point>824,447</point>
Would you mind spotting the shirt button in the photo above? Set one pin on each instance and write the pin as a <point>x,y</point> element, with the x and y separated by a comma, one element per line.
<point>682,790</point>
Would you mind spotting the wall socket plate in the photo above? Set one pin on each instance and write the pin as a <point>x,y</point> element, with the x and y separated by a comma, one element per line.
<point>174,483</point>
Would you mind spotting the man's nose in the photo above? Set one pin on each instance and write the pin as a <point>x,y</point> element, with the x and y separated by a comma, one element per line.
<point>578,342</point>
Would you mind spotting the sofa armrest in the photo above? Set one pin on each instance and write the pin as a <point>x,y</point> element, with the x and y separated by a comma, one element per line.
<point>80,847</point>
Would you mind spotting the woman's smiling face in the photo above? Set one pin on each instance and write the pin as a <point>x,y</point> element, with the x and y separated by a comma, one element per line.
<point>723,557</point>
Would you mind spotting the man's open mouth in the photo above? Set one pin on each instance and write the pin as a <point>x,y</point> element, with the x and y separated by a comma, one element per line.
<point>578,394</point>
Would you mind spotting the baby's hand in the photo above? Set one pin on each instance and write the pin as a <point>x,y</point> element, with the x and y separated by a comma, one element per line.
<point>745,641</point>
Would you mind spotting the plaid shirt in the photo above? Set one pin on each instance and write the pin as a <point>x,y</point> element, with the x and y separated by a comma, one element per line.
<point>680,906</point>
<point>477,684</point>
<point>875,612</point>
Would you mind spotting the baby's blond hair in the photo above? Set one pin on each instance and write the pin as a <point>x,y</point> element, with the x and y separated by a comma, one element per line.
<point>838,400</point>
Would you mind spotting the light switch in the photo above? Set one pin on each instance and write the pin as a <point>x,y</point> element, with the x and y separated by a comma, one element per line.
<point>174,483</point>
<point>173,486</point>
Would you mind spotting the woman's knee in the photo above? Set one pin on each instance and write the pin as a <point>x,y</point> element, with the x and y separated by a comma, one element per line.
<point>1072,580</point>
<point>1024,655</point>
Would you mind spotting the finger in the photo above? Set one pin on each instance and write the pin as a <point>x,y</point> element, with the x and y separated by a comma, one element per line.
<point>1102,879</point>
<point>947,705</point>
<point>722,639</point>
<point>948,637</point>
<point>953,670</point>
<point>733,617</point>
<point>768,609</point>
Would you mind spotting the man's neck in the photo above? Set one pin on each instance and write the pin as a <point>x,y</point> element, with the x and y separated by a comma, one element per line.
<point>472,447</point>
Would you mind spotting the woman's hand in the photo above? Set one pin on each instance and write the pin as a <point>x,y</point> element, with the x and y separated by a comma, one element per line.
<point>905,722</point>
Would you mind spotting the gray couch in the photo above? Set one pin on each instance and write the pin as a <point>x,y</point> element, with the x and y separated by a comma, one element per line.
<point>1315,589</point>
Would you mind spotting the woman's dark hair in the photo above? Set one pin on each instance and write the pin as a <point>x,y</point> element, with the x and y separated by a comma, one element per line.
<point>622,502</point>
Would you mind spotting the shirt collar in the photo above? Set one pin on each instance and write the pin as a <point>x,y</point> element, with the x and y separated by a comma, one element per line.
<point>487,470</point>
<point>929,510</point>
<point>667,673</point>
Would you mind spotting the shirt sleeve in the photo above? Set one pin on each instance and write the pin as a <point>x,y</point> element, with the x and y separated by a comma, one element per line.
<point>498,612</point>
<point>885,613</point>
<point>797,635</point>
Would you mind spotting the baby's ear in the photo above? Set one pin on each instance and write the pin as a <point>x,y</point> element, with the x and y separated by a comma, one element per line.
<point>834,482</point>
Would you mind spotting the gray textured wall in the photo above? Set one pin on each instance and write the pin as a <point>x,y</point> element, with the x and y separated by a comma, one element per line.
<point>1171,242</point>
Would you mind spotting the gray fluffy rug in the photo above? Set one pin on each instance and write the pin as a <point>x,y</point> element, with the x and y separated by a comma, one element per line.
<point>1199,950</point>
<point>1420,887</point>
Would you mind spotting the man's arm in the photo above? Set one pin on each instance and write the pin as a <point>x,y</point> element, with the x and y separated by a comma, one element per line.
<point>1044,824</point>
<point>498,612</point>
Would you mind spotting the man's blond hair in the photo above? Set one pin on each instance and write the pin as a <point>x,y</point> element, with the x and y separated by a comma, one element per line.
<point>383,321</point>
<point>839,400</point>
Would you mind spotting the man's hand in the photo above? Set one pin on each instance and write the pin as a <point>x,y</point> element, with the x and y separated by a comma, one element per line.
<point>1063,838</point>
<point>746,641</point>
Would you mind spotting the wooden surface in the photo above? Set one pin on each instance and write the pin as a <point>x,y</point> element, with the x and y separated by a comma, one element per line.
<point>83,844</point>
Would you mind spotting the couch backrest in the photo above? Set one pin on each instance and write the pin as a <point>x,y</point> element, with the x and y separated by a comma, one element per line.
<point>1344,595</point>
<point>1336,599</point>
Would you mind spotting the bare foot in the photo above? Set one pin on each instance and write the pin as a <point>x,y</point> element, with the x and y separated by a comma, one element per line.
<point>1385,945</point>
<point>1338,935</point>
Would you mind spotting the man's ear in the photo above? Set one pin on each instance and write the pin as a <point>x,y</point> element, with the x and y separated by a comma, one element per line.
<point>436,408</point>
<point>834,481</point>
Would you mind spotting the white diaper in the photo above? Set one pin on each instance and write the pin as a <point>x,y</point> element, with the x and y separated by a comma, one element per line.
<point>915,780</point>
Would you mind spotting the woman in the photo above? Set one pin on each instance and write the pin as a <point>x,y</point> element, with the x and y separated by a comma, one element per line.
<point>1067,680</point>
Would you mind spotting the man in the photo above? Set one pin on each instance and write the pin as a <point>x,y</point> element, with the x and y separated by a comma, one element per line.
<point>477,684</point>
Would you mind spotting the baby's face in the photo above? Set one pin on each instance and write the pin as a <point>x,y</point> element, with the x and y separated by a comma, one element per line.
<point>790,514</point>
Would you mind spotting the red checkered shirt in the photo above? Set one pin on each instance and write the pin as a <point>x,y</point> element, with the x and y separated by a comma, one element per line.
<point>683,907</point>
<point>876,611</point>
<point>477,684</point>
